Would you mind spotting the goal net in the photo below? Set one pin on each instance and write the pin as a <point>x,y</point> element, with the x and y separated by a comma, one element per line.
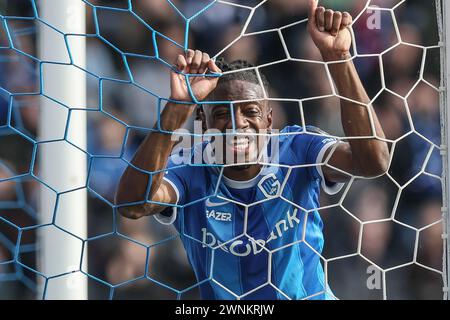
<point>79,93</point>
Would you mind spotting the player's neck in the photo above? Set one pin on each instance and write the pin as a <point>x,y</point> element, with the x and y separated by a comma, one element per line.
<point>242,173</point>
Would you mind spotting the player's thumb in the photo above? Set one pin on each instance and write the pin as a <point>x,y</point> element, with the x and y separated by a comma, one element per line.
<point>213,67</point>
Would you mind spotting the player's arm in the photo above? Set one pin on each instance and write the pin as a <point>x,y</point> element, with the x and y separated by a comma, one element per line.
<point>152,155</point>
<point>363,157</point>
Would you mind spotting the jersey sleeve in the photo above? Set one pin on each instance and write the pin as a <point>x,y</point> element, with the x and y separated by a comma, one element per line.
<point>310,146</point>
<point>175,175</point>
<point>318,143</point>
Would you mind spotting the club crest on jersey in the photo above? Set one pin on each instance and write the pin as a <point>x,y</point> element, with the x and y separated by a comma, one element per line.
<point>269,185</point>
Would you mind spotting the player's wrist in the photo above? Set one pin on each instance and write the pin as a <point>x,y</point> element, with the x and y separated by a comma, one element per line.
<point>330,56</point>
<point>175,115</point>
<point>176,99</point>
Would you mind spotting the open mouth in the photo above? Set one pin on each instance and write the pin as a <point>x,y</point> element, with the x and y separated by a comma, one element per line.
<point>240,144</point>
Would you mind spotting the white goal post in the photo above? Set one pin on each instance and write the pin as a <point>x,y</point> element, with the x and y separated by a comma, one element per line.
<point>58,163</point>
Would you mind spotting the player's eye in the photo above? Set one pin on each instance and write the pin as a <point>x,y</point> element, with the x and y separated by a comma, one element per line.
<point>222,114</point>
<point>253,112</point>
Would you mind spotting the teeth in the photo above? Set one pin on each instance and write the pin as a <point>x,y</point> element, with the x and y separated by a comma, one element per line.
<point>241,147</point>
<point>239,141</point>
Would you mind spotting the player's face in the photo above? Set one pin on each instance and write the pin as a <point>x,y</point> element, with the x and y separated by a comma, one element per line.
<point>253,115</point>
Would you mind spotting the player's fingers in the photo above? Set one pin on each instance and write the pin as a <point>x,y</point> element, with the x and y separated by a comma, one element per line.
<point>337,20</point>
<point>346,20</point>
<point>204,63</point>
<point>196,62</point>
<point>328,19</point>
<point>180,63</point>
<point>312,6</point>
<point>189,55</point>
<point>320,18</point>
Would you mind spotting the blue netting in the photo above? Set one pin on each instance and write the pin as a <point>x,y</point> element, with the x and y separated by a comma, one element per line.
<point>12,125</point>
<point>19,221</point>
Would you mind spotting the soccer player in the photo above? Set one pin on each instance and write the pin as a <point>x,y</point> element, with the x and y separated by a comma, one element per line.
<point>252,230</point>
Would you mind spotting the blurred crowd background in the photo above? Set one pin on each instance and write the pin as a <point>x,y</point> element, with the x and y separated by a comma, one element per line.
<point>411,192</point>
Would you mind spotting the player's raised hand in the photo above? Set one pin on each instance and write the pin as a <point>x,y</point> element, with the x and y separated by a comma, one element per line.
<point>193,62</point>
<point>329,31</point>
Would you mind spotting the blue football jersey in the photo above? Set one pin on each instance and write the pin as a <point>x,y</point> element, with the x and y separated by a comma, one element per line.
<point>256,239</point>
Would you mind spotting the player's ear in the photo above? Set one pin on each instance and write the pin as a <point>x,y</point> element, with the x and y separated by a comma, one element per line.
<point>200,116</point>
<point>269,117</point>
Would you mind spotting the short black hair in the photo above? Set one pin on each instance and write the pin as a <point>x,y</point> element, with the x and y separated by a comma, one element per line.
<point>247,75</point>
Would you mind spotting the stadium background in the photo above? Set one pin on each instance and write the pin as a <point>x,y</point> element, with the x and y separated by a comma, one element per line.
<point>113,260</point>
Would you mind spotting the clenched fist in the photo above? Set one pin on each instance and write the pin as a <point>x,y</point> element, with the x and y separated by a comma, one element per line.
<point>329,31</point>
<point>193,63</point>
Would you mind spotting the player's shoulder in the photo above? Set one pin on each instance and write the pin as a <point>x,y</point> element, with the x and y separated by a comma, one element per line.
<point>298,135</point>
<point>299,138</point>
<point>307,130</point>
